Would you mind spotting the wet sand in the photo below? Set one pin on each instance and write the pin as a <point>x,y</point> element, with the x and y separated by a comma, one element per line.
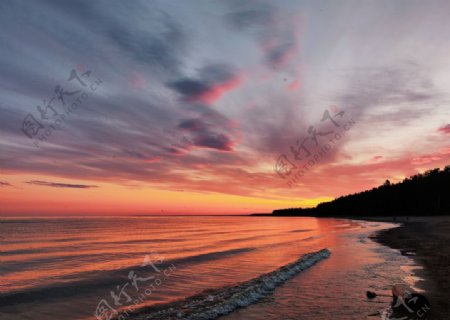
<point>427,240</point>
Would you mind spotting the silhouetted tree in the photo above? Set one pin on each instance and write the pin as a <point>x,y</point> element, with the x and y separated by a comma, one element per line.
<point>422,194</point>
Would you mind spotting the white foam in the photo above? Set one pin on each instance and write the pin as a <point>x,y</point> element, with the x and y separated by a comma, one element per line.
<point>223,301</point>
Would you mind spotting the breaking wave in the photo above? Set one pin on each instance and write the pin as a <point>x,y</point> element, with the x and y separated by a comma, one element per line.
<point>213,303</point>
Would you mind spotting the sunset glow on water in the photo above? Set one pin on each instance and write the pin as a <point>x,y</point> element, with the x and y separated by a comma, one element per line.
<point>64,267</point>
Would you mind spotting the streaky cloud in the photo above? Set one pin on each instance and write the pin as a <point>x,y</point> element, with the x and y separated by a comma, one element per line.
<point>60,185</point>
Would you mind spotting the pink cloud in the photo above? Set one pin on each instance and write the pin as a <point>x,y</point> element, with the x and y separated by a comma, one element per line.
<point>137,81</point>
<point>216,91</point>
<point>444,151</point>
<point>294,85</point>
<point>153,160</point>
<point>435,156</point>
<point>280,55</point>
<point>444,129</point>
<point>425,159</point>
<point>233,124</point>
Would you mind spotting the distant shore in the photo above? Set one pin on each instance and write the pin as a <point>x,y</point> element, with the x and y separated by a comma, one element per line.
<point>428,239</point>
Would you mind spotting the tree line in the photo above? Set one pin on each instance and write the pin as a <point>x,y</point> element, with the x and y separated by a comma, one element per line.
<point>426,194</point>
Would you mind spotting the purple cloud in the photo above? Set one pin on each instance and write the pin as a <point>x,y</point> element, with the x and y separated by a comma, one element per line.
<point>60,185</point>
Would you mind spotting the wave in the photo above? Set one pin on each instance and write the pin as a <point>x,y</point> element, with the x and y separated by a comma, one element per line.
<point>34,240</point>
<point>302,230</point>
<point>76,247</point>
<point>94,280</point>
<point>312,238</point>
<point>211,304</point>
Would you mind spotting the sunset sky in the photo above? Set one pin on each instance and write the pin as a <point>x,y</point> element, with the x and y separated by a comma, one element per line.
<point>185,107</point>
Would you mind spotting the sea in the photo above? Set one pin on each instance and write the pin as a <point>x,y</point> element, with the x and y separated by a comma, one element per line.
<point>195,267</point>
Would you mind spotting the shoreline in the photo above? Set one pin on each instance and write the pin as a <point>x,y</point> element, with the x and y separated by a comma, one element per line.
<point>424,239</point>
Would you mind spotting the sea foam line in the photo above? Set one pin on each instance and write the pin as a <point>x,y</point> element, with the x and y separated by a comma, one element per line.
<point>214,303</point>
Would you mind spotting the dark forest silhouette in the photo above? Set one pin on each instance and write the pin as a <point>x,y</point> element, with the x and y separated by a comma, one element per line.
<point>424,194</point>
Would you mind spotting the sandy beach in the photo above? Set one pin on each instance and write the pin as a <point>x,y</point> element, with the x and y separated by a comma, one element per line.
<point>426,239</point>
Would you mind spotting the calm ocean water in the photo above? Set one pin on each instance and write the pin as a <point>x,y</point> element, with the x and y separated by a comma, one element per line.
<point>80,268</point>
